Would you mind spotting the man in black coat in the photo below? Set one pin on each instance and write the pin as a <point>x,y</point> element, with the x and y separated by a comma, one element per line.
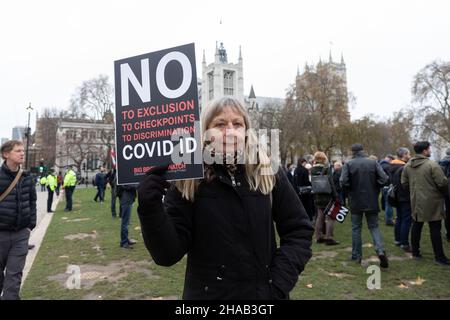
<point>17,219</point>
<point>363,178</point>
<point>100,182</point>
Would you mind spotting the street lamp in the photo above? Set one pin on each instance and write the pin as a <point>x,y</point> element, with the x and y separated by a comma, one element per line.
<point>29,109</point>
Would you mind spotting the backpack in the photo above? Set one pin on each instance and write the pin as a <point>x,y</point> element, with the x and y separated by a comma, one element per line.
<point>321,183</point>
<point>392,191</point>
<point>392,196</point>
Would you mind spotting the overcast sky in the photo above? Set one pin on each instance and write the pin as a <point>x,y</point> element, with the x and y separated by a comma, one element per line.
<point>49,47</point>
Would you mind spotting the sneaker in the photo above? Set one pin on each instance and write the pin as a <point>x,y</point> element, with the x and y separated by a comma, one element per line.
<point>127,246</point>
<point>31,246</point>
<point>65,210</point>
<point>397,243</point>
<point>131,242</point>
<point>384,263</point>
<point>443,262</point>
<point>321,240</point>
<point>331,242</point>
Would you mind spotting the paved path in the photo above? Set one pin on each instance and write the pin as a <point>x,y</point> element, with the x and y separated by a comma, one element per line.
<point>43,221</point>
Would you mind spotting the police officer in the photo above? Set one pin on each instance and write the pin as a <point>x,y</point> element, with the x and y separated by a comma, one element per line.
<point>51,183</point>
<point>70,180</point>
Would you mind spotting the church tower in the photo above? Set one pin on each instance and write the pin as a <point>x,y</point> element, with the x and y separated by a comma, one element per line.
<point>222,78</point>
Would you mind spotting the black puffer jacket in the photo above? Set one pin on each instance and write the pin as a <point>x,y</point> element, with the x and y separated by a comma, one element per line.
<point>18,209</point>
<point>228,234</point>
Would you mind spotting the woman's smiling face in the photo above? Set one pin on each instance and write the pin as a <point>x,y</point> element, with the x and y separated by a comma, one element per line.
<point>229,128</point>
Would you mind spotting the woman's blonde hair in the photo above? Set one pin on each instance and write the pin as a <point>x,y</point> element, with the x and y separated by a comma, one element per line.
<point>259,173</point>
<point>320,157</point>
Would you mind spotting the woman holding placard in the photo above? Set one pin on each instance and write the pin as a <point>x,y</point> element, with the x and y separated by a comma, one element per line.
<point>225,221</point>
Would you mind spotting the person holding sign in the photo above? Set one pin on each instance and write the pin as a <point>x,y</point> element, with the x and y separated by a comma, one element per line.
<point>225,221</point>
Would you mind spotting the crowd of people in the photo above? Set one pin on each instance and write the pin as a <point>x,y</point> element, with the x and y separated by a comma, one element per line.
<point>414,187</point>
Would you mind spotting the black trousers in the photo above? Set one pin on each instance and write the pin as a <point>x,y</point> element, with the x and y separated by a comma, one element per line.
<point>435,235</point>
<point>49,199</point>
<point>69,193</point>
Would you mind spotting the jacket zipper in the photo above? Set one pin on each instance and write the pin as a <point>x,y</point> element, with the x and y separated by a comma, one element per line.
<point>233,181</point>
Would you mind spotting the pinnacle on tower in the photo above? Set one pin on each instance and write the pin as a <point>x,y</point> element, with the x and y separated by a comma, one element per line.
<point>252,93</point>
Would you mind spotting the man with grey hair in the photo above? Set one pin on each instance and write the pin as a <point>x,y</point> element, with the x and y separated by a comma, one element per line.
<point>403,221</point>
<point>445,165</point>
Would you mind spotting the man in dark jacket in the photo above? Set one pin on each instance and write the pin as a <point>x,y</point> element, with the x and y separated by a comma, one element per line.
<point>17,219</point>
<point>403,221</point>
<point>127,195</point>
<point>445,165</point>
<point>363,178</point>
<point>100,182</point>
<point>228,234</point>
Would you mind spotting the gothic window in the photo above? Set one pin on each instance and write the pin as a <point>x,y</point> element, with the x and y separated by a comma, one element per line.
<point>228,88</point>
<point>92,135</point>
<point>210,86</point>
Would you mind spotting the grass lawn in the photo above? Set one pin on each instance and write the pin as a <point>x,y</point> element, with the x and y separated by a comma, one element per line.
<point>88,237</point>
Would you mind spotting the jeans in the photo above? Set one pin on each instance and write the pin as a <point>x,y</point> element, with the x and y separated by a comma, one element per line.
<point>100,194</point>
<point>435,235</point>
<point>403,223</point>
<point>388,210</point>
<point>126,215</point>
<point>372,224</point>
<point>69,193</point>
<point>13,254</point>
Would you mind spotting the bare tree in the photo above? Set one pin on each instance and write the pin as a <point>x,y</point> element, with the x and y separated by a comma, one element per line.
<point>93,99</point>
<point>431,91</point>
<point>321,94</point>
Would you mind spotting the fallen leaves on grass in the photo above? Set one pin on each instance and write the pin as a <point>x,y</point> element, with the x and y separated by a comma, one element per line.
<point>418,282</point>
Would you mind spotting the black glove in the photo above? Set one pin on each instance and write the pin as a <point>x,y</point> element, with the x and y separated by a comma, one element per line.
<point>152,187</point>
